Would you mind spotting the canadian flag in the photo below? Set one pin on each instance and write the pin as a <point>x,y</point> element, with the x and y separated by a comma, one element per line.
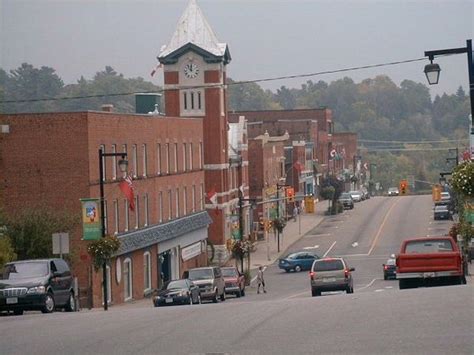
<point>127,188</point>
<point>155,69</point>
<point>212,196</point>
<point>333,153</point>
<point>298,166</point>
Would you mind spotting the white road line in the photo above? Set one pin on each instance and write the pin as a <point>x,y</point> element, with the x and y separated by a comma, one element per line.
<point>297,294</point>
<point>253,280</point>
<point>380,290</point>
<point>388,287</point>
<point>317,235</point>
<point>327,252</point>
<point>366,286</point>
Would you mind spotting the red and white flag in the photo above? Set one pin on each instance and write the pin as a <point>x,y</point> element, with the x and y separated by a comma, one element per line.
<point>155,69</point>
<point>212,196</point>
<point>127,188</point>
<point>298,166</point>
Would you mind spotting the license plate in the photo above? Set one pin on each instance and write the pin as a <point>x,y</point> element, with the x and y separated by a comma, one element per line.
<point>329,279</point>
<point>169,300</point>
<point>428,274</point>
<point>12,300</point>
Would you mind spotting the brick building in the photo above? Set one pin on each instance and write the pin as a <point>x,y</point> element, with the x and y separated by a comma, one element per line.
<point>50,160</point>
<point>194,64</point>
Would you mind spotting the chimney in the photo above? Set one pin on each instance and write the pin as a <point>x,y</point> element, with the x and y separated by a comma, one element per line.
<point>107,108</point>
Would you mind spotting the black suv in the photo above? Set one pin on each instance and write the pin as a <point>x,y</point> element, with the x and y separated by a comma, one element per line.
<point>36,285</point>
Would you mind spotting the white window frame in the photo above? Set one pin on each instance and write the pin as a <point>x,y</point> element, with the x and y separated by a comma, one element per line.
<point>104,167</point>
<point>191,155</point>
<point>202,197</point>
<point>185,157</point>
<point>137,213</point>
<point>130,280</point>
<point>106,219</point>
<point>200,155</point>
<point>146,271</point>
<point>177,202</point>
<point>185,201</point>
<point>194,199</point>
<point>175,157</point>
<point>145,201</point>
<point>127,215</point>
<point>124,150</point>
<point>145,171</point>
<point>160,206</point>
<point>168,160</point>
<point>134,161</point>
<point>114,162</point>
<point>170,205</point>
<point>158,158</point>
<point>116,212</point>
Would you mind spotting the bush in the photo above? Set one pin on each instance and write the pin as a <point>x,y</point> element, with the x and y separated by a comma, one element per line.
<point>6,251</point>
<point>327,192</point>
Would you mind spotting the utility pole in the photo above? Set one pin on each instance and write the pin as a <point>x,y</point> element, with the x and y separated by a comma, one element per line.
<point>241,227</point>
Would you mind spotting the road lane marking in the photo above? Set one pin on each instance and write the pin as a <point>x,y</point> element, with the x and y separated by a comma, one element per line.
<point>366,286</point>
<point>308,248</point>
<point>374,243</point>
<point>327,252</point>
<point>297,294</point>
<point>379,290</point>
<point>317,235</point>
<point>355,244</point>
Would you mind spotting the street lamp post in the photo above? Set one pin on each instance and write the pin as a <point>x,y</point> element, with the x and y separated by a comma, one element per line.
<point>433,70</point>
<point>241,220</point>
<point>123,165</point>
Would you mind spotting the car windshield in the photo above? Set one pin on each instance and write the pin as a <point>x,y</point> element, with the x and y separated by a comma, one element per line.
<point>429,246</point>
<point>176,284</point>
<point>24,270</point>
<point>293,256</point>
<point>345,195</point>
<point>354,193</point>
<point>200,274</point>
<point>393,189</point>
<point>229,272</point>
<point>391,262</point>
<point>328,265</point>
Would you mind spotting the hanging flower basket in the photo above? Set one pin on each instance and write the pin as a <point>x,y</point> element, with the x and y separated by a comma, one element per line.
<point>279,224</point>
<point>102,250</point>
<point>463,179</point>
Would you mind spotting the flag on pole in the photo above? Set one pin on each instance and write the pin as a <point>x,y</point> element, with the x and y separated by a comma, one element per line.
<point>212,196</point>
<point>298,166</point>
<point>127,188</point>
<point>155,69</point>
<point>333,153</point>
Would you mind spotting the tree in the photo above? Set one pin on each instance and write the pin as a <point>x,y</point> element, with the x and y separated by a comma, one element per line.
<point>244,97</point>
<point>285,98</point>
<point>30,232</point>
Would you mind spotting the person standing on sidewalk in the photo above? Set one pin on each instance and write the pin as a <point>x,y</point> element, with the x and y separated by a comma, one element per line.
<point>260,280</point>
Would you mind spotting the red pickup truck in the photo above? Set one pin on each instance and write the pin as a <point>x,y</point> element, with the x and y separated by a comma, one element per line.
<point>424,260</point>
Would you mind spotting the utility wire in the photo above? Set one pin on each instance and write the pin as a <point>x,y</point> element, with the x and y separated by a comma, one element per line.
<point>404,149</point>
<point>243,82</point>
<point>413,142</point>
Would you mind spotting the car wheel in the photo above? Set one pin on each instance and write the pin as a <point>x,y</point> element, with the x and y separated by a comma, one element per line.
<point>403,284</point>
<point>243,292</point>
<point>297,268</point>
<point>18,312</point>
<point>385,277</point>
<point>223,296</point>
<point>71,303</point>
<point>48,304</point>
<point>287,270</point>
<point>350,289</point>
<point>238,294</point>
<point>315,292</point>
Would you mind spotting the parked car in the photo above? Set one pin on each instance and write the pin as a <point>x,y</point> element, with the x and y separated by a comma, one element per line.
<point>182,291</point>
<point>346,200</point>
<point>331,274</point>
<point>234,281</point>
<point>441,212</point>
<point>356,196</point>
<point>445,196</point>
<point>297,261</point>
<point>393,191</point>
<point>390,269</point>
<point>365,193</point>
<point>42,284</point>
<point>210,281</point>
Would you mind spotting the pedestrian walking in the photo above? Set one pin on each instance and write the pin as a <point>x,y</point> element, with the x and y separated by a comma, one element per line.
<point>295,213</point>
<point>260,280</point>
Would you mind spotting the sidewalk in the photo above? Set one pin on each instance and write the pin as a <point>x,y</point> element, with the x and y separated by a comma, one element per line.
<point>291,234</point>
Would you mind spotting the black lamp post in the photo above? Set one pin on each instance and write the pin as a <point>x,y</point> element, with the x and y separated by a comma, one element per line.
<point>433,70</point>
<point>123,165</point>
<point>241,220</point>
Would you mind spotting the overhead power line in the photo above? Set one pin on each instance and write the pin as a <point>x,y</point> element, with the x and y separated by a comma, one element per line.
<point>243,82</point>
<point>413,142</point>
<point>405,149</point>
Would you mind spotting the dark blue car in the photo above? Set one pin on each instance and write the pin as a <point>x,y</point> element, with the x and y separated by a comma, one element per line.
<point>297,261</point>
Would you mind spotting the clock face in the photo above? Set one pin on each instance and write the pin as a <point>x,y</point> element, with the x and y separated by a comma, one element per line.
<point>191,70</point>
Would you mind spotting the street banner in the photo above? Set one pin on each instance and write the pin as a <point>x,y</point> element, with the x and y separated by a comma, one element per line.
<point>235,226</point>
<point>91,221</point>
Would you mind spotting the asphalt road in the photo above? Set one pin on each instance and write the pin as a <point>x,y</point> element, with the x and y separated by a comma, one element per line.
<point>377,319</point>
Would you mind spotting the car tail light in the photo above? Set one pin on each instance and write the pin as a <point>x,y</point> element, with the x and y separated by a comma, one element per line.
<point>311,275</point>
<point>346,273</point>
<point>385,267</point>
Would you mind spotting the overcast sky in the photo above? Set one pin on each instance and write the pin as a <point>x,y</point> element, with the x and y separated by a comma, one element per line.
<point>266,38</point>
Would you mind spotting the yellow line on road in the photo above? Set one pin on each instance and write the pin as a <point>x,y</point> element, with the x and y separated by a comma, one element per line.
<point>298,294</point>
<point>374,243</point>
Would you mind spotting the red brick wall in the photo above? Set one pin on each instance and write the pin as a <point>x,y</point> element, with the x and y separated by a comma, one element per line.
<point>212,76</point>
<point>171,77</point>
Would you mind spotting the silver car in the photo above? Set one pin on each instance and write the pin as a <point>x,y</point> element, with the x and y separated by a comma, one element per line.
<point>356,196</point>
<point>331,274</point>
<point>210,281</point>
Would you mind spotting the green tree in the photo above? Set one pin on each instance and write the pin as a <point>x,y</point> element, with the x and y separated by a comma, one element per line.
<point>30,232</point>
<point>244,97</point>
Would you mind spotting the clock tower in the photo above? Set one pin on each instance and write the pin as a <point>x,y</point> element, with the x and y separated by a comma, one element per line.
<point>194,64</point>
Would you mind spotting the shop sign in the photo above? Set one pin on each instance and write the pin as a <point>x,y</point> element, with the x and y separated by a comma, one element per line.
<point>191,251</point>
